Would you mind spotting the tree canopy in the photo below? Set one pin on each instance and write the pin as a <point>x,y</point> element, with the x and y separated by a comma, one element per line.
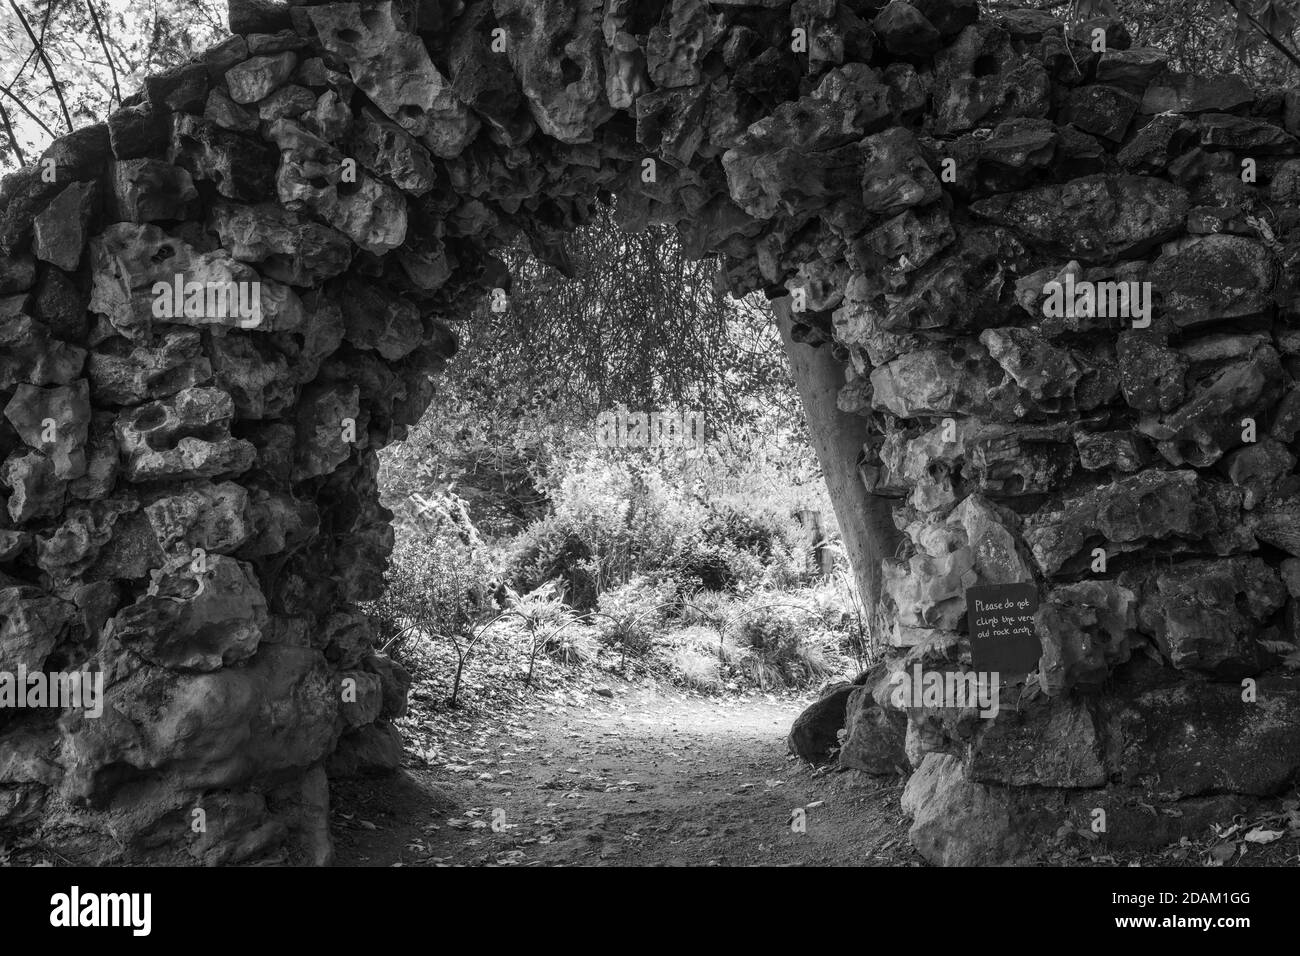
<point>87,56</point>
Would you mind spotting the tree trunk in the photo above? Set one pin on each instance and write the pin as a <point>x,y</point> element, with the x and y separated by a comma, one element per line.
<point>865,520</point>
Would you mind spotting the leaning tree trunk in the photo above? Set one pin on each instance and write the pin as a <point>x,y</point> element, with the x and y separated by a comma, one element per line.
<point>865,520</point>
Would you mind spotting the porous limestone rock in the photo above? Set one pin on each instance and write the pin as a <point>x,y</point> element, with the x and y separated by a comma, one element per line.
<point>390,64</point>
<point>1093,219</point>
<point>1206,615</point>
<point>59,233</point>
<point>956,822</point>
<point>1085,629</point>
<point>973,545</point>
<point>55,421</point>
<point>196,619</point>
<point>182,437</point>
<point>257,77</point>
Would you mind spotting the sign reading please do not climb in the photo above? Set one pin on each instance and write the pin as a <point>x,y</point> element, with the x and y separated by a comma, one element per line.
<point>1003,639</point>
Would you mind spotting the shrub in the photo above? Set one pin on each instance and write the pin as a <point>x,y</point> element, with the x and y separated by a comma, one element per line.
<point>698,670</point>
<point>613,518</point>
<point>778,651</point>
<point>544,617</point>
<point>573,646</point>
<point>610,520</point>
<point>547,550</point>
<point>840,606</point>
<point>542,608</point>
<point>744,532</point>
<point>701,608</point>
<point>434,586</point>
<point>634,613</point>
<point>703,564</point>
<point>437,590</point>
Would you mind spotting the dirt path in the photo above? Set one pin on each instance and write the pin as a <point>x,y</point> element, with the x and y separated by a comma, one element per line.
<point>649,777</point>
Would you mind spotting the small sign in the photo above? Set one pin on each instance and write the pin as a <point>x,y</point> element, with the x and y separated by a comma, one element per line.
<point>1003,638</point>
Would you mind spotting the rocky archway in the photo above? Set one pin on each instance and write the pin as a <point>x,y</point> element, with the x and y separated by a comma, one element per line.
<point>190,502</point>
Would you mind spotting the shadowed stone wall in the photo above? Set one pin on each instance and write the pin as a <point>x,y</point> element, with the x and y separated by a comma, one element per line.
<point>189,498</point>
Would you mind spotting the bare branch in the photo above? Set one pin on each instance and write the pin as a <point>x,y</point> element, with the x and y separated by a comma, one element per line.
<point>13,140</point>
<point>45,25</point>
<point>23,106</point>
<point>40,49</point>
<point>117,90</point>
<point>1285,50</point>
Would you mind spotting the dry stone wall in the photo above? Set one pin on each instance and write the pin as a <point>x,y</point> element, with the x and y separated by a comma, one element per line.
<point>189,483</point>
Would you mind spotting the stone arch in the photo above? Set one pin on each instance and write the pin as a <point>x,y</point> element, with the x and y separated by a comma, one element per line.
<point>190,493</point>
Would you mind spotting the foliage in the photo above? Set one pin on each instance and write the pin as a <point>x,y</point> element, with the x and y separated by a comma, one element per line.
<point>696,667</point>
<point>139,39</point>
<point>435,590</point>
<point>633,614</point>
<point>1254,38</point>
<point>842,605</point>
<point>571,646</point>
<point>774,634</point>
<point>541,609</point>
<point>434,585</point>
<point>769,639</point>
<point>701,608</point>
<point>634,323</point>
<point>1231,36</point>
<point>629,319</point>
<point>541,615</point>
<point>616,516</point>
<point>651,625</point>
<point>490,450</point>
